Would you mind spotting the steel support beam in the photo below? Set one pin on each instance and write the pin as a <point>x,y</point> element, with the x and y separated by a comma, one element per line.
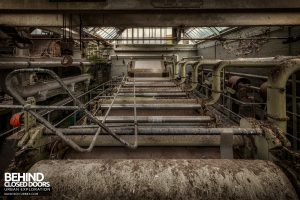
<point>156,20</point>
<point>137,5</point>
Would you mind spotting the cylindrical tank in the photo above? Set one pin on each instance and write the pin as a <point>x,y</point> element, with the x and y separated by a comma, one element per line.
<point>165,179</point>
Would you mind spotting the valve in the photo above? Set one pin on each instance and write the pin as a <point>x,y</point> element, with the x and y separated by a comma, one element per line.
<point>16,120</point>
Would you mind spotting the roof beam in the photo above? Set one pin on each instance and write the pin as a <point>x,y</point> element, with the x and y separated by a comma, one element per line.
<point>134,5</point>
<point>76,35</point>
<point>189,19</point>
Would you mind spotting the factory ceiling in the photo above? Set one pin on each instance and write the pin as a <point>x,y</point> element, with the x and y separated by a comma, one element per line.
<point>136,13</point>
<point>154,35</point>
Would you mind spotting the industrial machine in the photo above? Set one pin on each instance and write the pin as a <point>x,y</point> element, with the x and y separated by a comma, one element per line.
<point>149,134</point>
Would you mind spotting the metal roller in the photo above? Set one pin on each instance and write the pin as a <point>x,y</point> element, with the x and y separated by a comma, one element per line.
<point>153,106</point>
<point>150,84</point>
<point>148,79</point>
<point>151,90</point>
<point>154,130</point>
<point>165,179</point>
<point>130,100</point>
<point>157,119</point>
<point>153,140</point>
<point>152,94</point>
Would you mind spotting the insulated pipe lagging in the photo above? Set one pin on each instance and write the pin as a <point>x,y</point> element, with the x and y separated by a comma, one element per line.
<point>276,93</point>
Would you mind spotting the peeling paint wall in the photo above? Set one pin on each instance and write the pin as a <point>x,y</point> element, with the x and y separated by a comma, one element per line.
<point>271,48</point>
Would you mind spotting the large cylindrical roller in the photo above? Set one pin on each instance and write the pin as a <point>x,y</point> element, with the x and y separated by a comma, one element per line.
<point>165,179</point>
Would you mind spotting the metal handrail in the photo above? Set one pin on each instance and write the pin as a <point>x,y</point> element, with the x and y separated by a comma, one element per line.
<point>106,114</point>
<point>65,103</point>
<point>135,117</point>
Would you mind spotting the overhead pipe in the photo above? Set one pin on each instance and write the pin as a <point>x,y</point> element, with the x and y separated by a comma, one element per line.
<point>276,93</point>
<point>238,63</point>
<point>39,64</point>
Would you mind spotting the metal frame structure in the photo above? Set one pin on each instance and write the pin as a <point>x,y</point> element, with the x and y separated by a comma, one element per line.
<point>79,106</point>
